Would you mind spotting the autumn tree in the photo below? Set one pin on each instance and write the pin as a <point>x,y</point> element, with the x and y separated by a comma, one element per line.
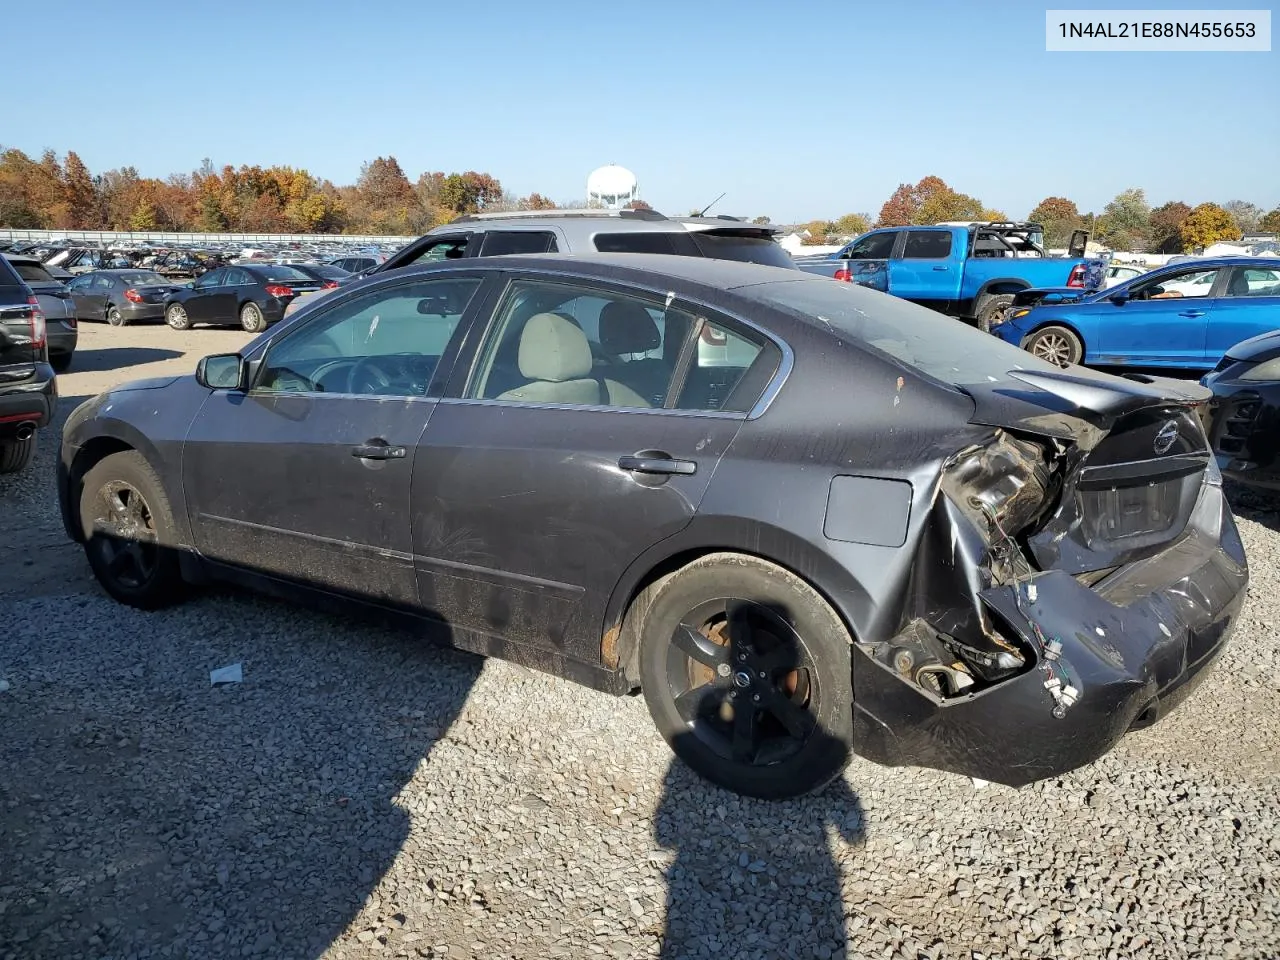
<point>900,208</point>
<point>1271,222</point>
<point>536,201</point>
<point>1059,217</point>
<point>943,205</point>
<point>1166,226</point>
<point>1245,214</point>
<point>851,224</point>
<point>1207,224</point>
<point>79,192</point>
<point>927,202</point>
<point>818,231</point>
<point>760,220</point>
<point>1125,223</point>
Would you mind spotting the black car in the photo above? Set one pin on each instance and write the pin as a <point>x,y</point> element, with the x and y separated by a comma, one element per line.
<point>326,273</point>
<point>121,297</point>
<point>28,387</point>
<point>802,517</point>
<point>1244,416</point>
<point>252,296</point>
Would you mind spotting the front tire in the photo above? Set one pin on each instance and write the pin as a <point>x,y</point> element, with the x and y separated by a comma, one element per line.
<point>115,317</point>
<point>175,315</point>
<point>251,318</point>
<point>130,538</point>
<point>1056,344</point>
<point>746,672</point>
<point>16,454</point>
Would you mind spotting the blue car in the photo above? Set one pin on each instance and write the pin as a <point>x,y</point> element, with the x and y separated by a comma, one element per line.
<point>1186,316</point>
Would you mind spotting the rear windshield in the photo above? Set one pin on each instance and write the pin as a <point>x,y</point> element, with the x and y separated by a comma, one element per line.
<point>278,272</point>
<point>33,271</point>
<point>936,345</point>
<point>731,246</point>
<point>141,277</point>
<point>327,271</point>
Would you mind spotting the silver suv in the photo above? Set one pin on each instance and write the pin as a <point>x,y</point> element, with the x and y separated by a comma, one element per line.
<point>583,231</point>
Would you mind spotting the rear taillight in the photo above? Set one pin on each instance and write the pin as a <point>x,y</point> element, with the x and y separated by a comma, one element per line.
<point>329,285</point>
<point>38,328</point>
<point>133,296</point>
<point>1076,278</point>
<point>277,290</point>
<point>844,274</point>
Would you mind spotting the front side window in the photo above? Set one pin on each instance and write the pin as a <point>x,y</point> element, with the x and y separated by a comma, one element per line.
<point>927,245</point>
<point>102,283</point>
<point>213,278</point>
<point>386,343</point>
<point>565,344</point>
<point>1186,283</point>
<point>874,246</point>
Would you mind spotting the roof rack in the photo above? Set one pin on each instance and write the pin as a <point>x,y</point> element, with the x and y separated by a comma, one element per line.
<point>588,212</point>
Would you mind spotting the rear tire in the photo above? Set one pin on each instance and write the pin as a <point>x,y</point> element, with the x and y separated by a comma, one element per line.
<point>251,318</point>
<point>175,315</point>
<point>130,538</point>
<point>115,317</point>
<point>991,308</point>
<point>1056,344</point>
<point>745,670</point>
<point>16,454</point>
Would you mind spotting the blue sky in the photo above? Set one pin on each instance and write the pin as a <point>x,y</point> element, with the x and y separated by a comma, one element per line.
<point>796,110</point>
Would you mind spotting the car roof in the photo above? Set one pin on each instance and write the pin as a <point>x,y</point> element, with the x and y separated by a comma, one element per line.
<point>1211,262</point>
<point>623,221</point>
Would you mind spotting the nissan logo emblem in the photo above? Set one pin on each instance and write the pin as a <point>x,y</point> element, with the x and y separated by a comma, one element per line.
<point>1166,437</point>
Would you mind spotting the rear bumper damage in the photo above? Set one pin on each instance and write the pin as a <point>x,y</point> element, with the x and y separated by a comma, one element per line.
<point>1073,662</point>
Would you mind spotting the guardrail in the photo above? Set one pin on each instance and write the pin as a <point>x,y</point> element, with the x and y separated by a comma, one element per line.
<point>160,236</point>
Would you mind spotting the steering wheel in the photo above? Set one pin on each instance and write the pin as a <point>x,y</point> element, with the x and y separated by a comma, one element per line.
<point>371,376</point>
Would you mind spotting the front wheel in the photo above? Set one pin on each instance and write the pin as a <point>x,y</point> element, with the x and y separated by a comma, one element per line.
<point>175,315</point>
<point>1057,345</point>
<point>251,318</point>
<point>129,532</point>
<point>746,672</point>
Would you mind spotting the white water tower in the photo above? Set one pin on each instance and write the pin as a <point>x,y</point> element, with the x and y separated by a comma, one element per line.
<point>612,187</point>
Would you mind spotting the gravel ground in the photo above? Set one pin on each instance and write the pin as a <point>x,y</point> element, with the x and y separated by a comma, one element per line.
<point>362,794</point>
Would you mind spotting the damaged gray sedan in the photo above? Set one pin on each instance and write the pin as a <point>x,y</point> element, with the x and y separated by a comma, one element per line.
<point>802,517</point>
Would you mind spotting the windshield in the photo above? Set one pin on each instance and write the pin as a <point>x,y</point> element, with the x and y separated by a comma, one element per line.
<point>142,277</point>
<point>936,345</point>
<point>735,246</point>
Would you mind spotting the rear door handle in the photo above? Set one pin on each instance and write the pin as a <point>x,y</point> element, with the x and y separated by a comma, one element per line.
<point>377,449</point>
<point>1191,313</point>
<point>657,464</point>
<point>942,269</point>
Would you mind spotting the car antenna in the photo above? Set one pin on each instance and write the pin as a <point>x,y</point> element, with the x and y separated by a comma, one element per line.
<point>703,211</point>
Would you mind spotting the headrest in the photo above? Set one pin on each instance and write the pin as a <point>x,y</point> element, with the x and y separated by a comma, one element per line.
<point>552,348</point>
<point>627,327</point>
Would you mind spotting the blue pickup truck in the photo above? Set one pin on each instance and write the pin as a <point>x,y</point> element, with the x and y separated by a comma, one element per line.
<point>971,271</point>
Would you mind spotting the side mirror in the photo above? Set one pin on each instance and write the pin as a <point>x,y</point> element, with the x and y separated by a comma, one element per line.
<point>1119,298</point>
<point>223,371</point>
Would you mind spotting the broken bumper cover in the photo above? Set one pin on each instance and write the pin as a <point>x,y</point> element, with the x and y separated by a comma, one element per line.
<point>1133,645</point>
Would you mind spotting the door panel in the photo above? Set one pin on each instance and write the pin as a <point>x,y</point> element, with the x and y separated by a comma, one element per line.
<point>928,268</point>
<point>524,521</point>
<point>272,484</point>
<point>1164,320</point>
<point>1251,306</point>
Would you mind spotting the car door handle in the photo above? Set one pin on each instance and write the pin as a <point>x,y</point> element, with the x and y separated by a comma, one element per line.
<point>657,464</point>
<point>942,269</point>
<point>1191,313</point>
<point>377,450</point>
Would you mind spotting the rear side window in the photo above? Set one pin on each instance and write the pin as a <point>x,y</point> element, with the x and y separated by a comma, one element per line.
<point>927,245</point>
<point>647,242</point>
<point>500,243</point>
<point>32,271</point>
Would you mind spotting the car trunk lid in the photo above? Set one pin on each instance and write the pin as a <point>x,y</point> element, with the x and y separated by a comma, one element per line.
<point>1132,457</point>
